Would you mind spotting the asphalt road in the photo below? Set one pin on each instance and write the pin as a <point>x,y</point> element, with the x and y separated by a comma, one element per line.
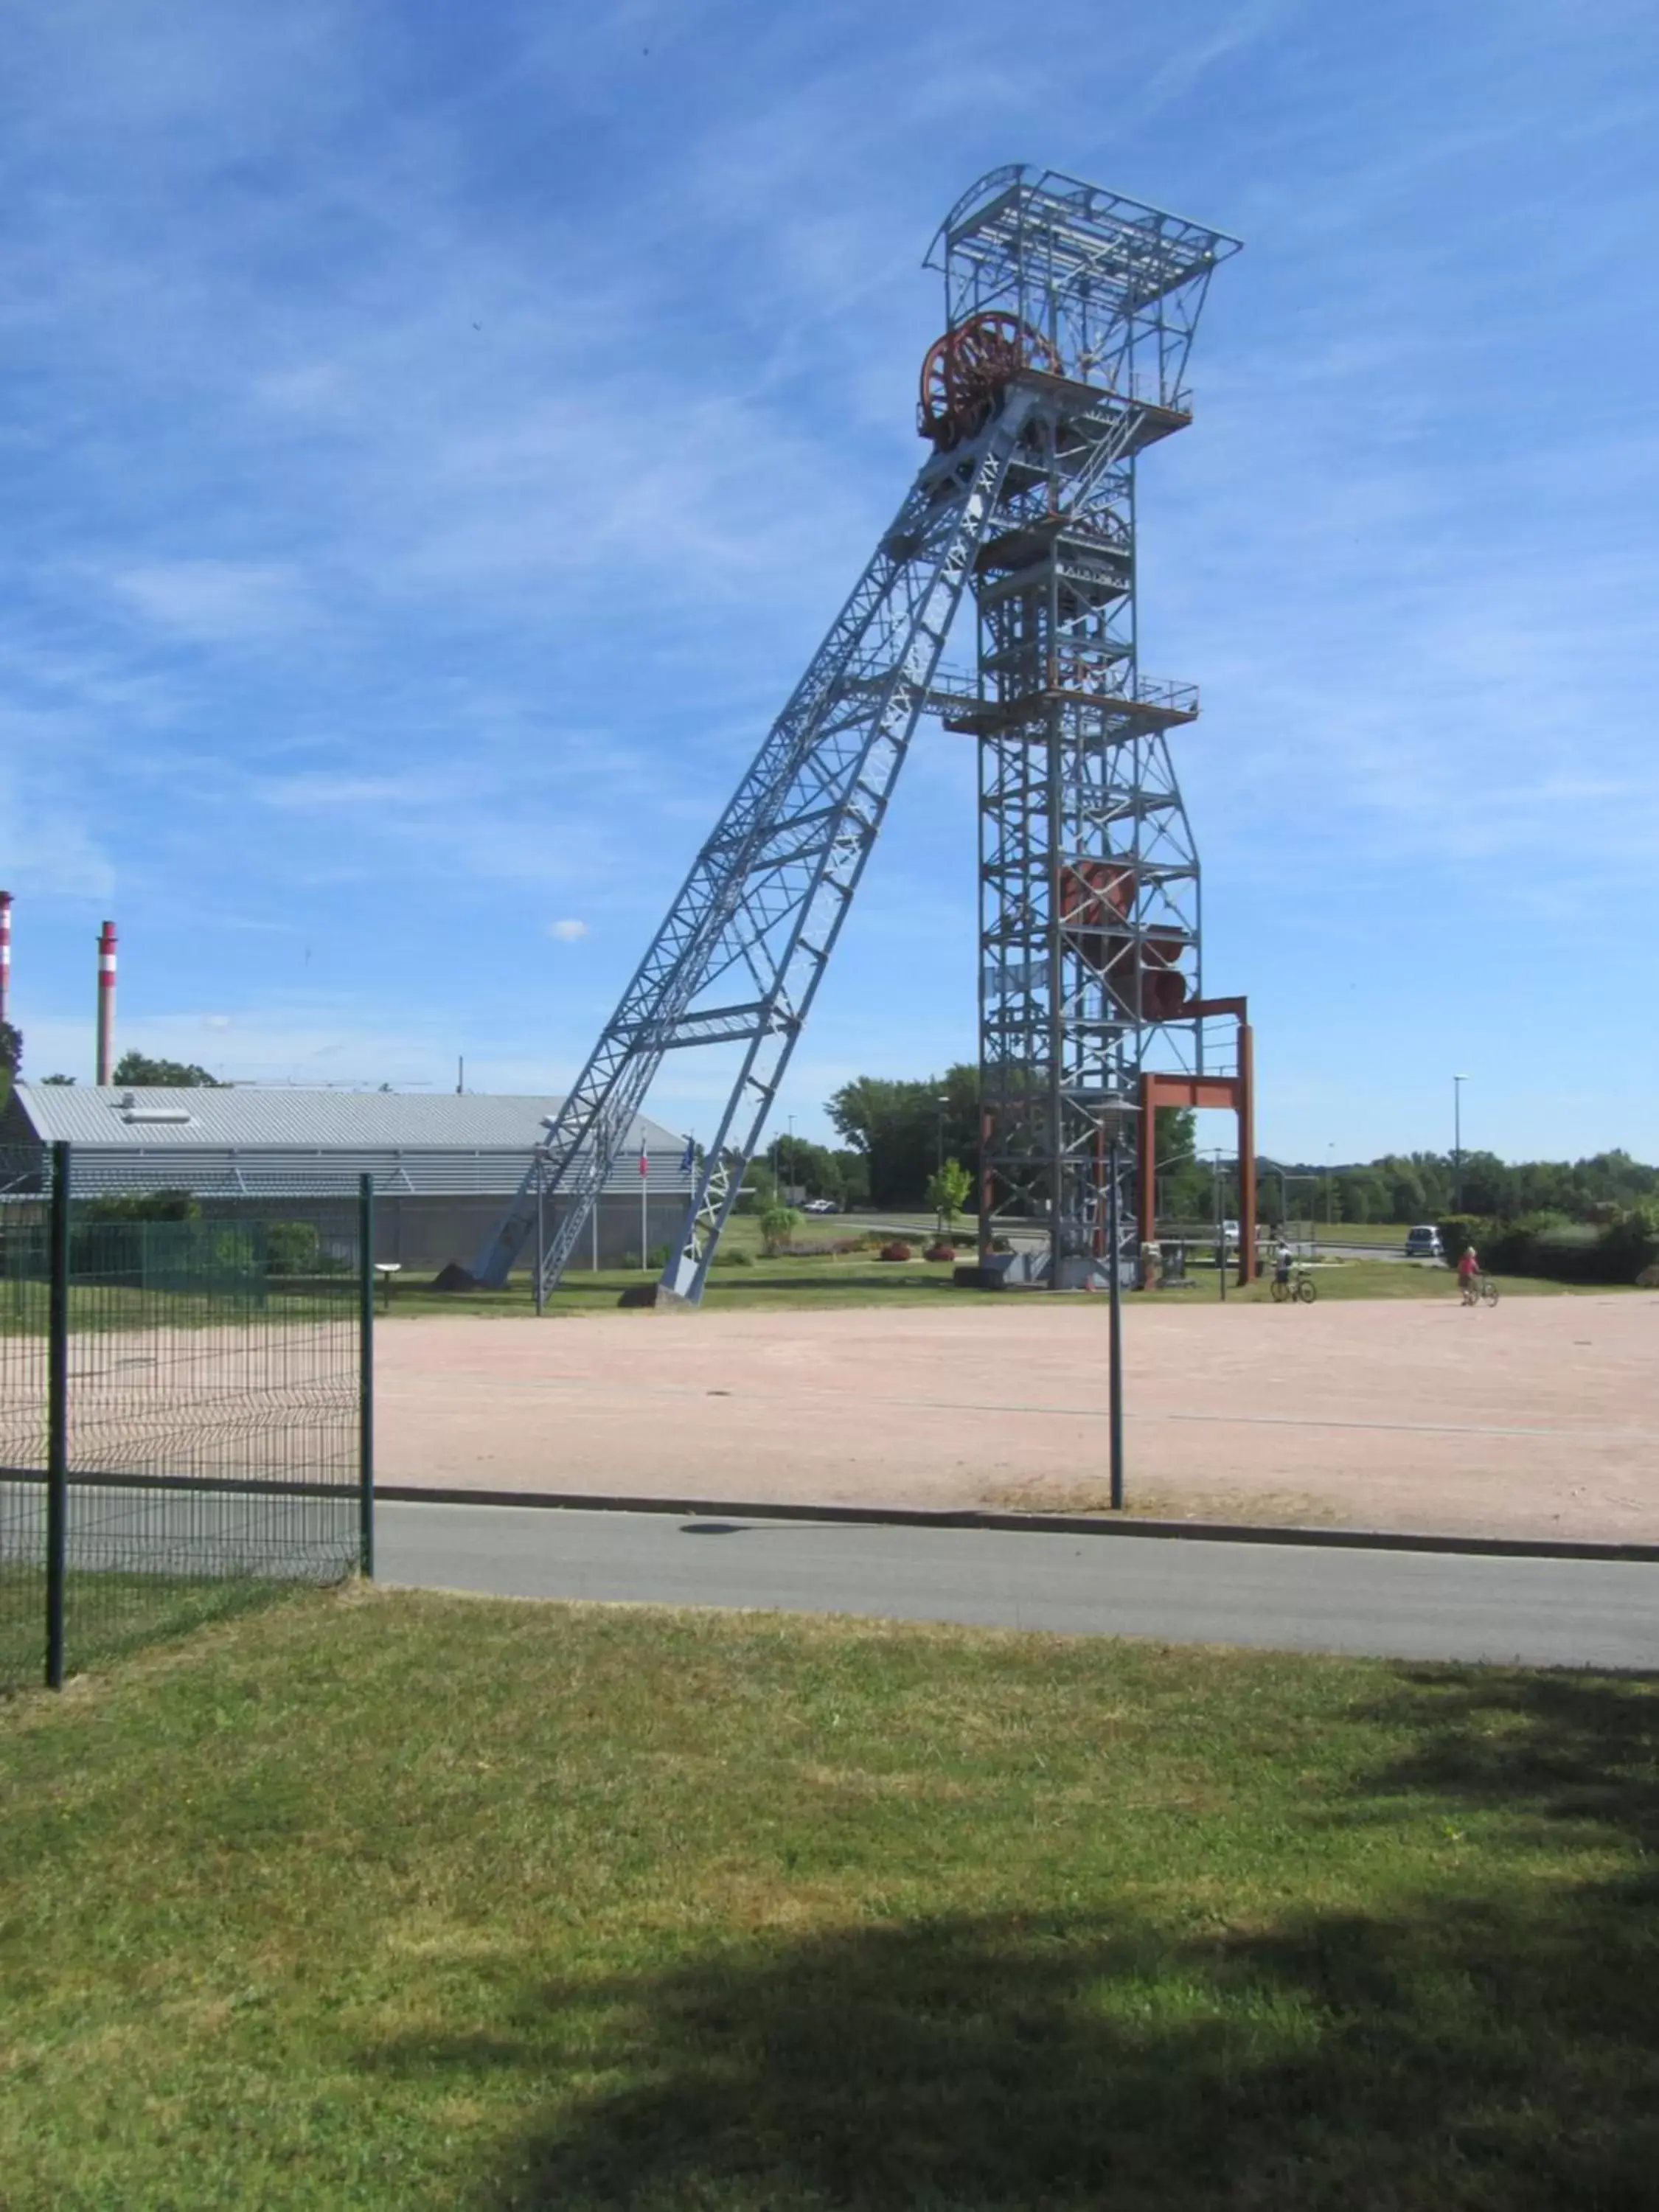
<point>1405,1605</point>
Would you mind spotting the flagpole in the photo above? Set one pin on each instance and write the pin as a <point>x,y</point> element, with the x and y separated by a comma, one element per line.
<point>645,1185</point>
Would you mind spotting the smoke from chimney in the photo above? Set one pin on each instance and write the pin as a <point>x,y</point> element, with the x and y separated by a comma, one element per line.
<point>106,1002</point>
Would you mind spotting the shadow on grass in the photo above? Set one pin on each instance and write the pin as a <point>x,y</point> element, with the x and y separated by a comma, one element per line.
<point>110,1615</point>
<point>896,1279</point>
<point>1486,2041</point>
<point>734,1283</point>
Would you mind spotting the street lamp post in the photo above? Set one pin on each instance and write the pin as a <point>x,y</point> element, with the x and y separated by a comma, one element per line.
<point>1220,1232</point>
<point>541,1228</point>
<point>1458,1081</point>
<point>1174,1160</point>
<point>1115,1350</point>
<point>1114,1118</point>
<point>1284,1181</point>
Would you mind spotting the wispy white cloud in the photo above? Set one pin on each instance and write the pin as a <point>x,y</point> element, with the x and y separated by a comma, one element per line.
<point>1196,51</point>
<point>215,602</point>
<point>52,849</point>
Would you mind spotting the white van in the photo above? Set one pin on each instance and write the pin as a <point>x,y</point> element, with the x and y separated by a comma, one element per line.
<point>1424,1244</point>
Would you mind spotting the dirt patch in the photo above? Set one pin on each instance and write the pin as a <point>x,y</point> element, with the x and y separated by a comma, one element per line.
<point>1286,1508</point>
<point>1540,1418</point>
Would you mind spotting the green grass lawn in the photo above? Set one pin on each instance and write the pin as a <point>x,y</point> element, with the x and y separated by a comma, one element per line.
<point>107,1614</point>
<point>820,1279</point>
<point>105,1309</point>
<point>387,1900</point>
<point>1386,1235</point>
<point>1378,1278</point>
<point>771,1283</point>
<point>1389,1235</point>
<point>861,1280</point>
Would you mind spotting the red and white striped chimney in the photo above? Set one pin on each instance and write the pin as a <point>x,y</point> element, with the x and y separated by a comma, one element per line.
<point>5,955</point>
<point>106,1002</point>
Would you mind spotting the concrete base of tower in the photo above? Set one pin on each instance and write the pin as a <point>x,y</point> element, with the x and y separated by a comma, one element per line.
<point>1031,1270</point>
<point>657,1295</point>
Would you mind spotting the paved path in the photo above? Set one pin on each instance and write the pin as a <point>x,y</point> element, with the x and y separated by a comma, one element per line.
<point>1392,1604</point>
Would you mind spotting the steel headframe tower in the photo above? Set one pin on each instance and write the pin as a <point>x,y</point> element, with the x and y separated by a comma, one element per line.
<point>1070,313</point>
<point>1090,949</point>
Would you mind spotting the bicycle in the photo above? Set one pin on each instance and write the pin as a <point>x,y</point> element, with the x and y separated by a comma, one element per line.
<point>1480,1291</point>
<point>1298,1285</point>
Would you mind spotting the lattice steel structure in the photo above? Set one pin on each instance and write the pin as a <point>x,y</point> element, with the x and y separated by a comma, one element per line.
<point>1089,938</point>
<point>1070,313</point>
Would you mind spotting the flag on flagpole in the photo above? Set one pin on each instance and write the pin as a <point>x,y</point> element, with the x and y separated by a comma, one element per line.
<point>645,1231</point>
<point>688,1157</point>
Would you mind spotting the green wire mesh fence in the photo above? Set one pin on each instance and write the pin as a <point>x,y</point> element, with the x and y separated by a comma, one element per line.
<point>24,1293</point>
<point>207,1437</point>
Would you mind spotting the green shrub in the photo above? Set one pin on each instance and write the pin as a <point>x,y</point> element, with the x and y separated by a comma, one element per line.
<point>142,1205</point>
<point>1631,1244</point>
<point>1552,1246</point>
<point>778,1224</point>
<point>728,1257</point>
<point>1457,1230</point>
<point>293,1247</point>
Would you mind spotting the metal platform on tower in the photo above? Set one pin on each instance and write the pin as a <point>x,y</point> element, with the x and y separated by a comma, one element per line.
<point>1069,312</point>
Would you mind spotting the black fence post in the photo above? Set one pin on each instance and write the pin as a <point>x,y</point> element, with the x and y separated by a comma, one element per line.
<point>58,1417</point>
<point>366,1375</point>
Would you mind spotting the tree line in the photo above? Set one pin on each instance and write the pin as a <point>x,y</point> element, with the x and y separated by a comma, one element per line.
<point>135,1068</point>
<point>1407,1187</point>
<point>902,1131</point>
<point>897,1132</point>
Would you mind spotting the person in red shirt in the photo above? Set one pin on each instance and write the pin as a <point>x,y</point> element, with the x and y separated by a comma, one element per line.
<point>1468,1269</point>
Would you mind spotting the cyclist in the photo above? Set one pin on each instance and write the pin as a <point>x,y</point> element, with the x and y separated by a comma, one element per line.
<point>1469,1273</point>
<point>1282,1263</point>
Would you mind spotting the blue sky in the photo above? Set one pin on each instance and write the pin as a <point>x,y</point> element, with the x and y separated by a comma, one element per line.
<point>432,439</point>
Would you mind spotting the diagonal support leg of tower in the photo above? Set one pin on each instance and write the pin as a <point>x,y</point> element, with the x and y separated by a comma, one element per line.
<point>742,948</point>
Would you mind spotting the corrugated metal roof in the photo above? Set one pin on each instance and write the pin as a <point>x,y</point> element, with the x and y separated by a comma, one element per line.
<point>226,1139</point>
<point>378,1120</point>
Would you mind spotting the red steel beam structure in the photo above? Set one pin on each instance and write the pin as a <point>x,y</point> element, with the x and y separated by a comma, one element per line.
<point>1235,1094</point>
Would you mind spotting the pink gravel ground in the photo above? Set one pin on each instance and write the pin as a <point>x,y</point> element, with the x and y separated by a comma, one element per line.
<point>1539,1418</point>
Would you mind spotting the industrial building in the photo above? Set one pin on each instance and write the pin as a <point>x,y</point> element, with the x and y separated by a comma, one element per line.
<point>445,1167</point>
